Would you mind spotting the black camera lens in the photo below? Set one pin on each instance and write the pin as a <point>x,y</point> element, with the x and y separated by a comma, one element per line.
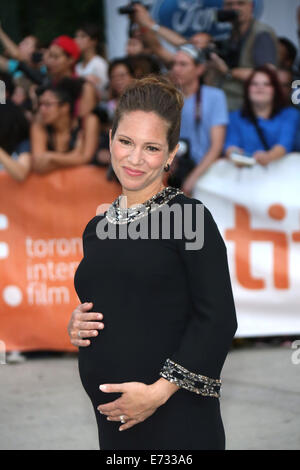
<point>128,10</point>
<point>37,57</point>
<point>225,16</point>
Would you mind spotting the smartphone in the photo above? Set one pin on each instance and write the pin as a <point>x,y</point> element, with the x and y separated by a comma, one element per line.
<point>242,158</point>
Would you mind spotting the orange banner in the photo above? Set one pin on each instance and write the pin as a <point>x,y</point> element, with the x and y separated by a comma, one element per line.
<point>41,226</point>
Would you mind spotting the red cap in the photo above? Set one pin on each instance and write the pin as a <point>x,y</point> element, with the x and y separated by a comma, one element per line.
<point>68,45</point>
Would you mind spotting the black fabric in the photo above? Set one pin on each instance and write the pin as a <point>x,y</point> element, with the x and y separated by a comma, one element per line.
<point>231,51</point>
<point>103,145</point>
<point>14,127</point>
<point>159,300</point>
<point>231,48</point>
<point>264,50</point>
<point>73,137</point>
<point>181,167</point>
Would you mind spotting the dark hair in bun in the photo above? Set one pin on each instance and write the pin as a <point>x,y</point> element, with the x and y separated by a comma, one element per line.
<point>157,94</point>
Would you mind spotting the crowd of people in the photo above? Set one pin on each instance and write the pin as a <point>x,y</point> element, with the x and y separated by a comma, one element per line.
<point>61,97</point>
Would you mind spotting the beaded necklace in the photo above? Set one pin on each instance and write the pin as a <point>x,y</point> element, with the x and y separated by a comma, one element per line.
<point>117,215</point>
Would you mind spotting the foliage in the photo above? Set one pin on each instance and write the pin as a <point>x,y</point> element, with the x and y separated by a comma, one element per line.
<point>51,18</point>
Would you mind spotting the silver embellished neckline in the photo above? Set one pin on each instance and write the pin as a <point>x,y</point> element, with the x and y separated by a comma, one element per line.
<point>117,215</point>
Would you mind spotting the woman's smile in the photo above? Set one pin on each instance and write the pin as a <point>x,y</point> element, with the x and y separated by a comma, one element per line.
<point>132,172</point>
<point>139,152</point>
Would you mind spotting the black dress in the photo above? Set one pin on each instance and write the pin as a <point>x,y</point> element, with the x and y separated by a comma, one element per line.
<point>168,311</point>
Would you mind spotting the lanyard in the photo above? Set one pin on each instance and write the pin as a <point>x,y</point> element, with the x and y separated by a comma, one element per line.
<point>198,106</point>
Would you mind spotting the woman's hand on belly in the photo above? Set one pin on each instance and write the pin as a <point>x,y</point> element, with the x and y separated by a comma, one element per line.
<point>84,324</point>
<point>138,400</point>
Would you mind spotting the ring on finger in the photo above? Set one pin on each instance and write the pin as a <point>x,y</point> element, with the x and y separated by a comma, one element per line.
<point>78,334</point>
<point>122,419</point>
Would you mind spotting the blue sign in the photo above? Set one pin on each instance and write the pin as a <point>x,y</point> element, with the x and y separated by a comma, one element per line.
<point>188,17</point>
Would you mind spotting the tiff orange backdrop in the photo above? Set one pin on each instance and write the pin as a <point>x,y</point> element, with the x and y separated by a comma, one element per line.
<point>41,226</point>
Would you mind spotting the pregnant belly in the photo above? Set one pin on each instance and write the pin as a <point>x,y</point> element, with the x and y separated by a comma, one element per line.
<point>120,355</point>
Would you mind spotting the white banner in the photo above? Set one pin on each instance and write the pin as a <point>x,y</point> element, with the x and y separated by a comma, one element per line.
<point>257,211</point>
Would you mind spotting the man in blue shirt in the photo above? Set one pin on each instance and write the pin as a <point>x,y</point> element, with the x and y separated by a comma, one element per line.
<point>204,115</point>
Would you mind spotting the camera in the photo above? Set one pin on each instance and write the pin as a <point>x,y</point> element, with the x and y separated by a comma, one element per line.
<point>222,47</point>
<point>37,57</point>
<point>128,9</point>
<point>226,16</point>
<point>206,51</point>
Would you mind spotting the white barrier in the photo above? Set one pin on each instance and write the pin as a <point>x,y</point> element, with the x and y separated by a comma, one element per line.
<point>258,213</point>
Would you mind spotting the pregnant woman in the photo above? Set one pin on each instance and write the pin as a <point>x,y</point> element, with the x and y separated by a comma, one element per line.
<point>153,371</point>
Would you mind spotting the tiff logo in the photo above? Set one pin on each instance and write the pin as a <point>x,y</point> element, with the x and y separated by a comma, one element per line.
<point>243,235</point>
<point>2,92</point>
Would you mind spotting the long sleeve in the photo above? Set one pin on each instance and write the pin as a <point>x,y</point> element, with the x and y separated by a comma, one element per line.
<point>197,363</point>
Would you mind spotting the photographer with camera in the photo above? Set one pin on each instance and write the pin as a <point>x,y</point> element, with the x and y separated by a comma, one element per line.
<point>18,59</point>
<point>251,44</point>
<point>22,57</point>
<point>150,30</point>
<point>26,51</point>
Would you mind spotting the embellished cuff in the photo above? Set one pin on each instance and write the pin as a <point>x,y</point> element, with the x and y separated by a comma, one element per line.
<point>197,383</point>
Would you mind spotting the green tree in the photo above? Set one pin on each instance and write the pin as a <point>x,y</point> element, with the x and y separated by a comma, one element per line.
<point>49,18</point>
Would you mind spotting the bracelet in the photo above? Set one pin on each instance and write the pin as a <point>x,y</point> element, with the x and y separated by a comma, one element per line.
<point>155,27</point>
